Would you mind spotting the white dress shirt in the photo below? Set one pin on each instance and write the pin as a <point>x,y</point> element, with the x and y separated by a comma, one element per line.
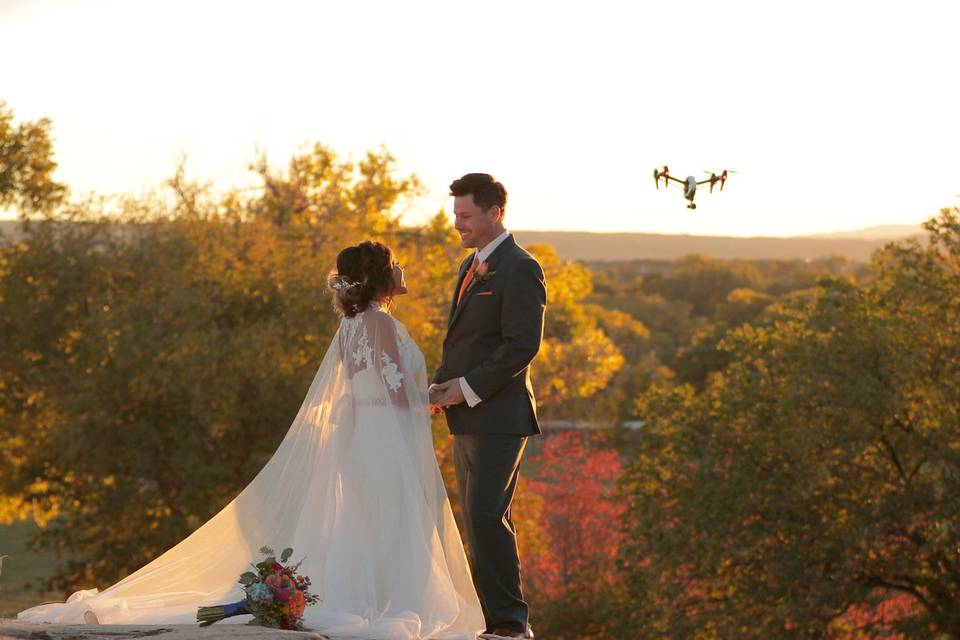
<point>468,394</point>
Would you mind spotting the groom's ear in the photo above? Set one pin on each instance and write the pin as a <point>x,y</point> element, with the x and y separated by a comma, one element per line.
<point>495,212</point>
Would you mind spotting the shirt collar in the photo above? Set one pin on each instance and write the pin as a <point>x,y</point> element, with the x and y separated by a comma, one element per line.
<point>484,253</point>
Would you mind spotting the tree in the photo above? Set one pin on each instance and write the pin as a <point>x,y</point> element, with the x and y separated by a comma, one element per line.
<point>642,366</point>
<point>27,165</point>
<point>152,360</point>
<point>572,573</point>
<point>702,281</point>
<point>702,356</point>
<point>577,359</point>
<point>817,475</point>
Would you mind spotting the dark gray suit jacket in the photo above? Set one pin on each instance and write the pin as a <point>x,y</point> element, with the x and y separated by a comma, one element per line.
<point>492,336</point>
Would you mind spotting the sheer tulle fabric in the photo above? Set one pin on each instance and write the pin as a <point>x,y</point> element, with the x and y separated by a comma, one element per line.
<point>354,488</point>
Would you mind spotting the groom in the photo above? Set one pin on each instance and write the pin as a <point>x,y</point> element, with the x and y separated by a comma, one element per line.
<point>483,384</point>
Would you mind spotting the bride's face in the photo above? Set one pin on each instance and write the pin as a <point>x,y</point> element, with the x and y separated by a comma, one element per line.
<point>399,284</point>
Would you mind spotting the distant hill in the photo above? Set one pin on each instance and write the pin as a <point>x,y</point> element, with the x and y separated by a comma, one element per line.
<point>881,232</point>
<point>582,245</point>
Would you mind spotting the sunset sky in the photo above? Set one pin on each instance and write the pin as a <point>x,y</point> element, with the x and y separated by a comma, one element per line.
<point>837,113</point>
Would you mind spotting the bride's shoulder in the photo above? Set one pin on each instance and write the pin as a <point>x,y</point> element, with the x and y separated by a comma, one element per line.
<point>377,315</point>
<point>377,320</point>
<point>384,320</point>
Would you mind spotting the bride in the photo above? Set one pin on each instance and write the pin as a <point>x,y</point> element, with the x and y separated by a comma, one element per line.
<point>354,488</point>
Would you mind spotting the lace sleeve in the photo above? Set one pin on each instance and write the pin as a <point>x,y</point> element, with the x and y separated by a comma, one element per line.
<point>388,356</point>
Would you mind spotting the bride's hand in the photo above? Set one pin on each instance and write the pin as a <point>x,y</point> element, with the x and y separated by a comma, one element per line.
<point>447,393</point>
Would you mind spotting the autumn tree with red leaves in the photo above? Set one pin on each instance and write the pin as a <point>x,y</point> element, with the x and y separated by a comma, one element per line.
<point>570,578</point>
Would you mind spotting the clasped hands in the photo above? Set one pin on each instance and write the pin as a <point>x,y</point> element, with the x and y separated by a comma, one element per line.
<point>443,395</point>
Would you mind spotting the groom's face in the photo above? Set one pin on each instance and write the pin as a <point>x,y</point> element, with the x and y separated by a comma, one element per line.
<point>475,226</point>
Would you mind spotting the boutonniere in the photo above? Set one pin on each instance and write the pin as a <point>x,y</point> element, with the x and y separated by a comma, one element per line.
<point>483,273</point>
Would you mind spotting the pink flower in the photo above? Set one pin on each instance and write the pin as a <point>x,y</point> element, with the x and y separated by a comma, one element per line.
<point>273,581</point>
<point>281,585</point>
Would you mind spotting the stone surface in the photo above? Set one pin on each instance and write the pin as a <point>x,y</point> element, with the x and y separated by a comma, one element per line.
<point>16,629</point>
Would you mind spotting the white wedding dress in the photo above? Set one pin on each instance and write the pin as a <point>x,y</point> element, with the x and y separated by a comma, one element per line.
<point>354,488</point>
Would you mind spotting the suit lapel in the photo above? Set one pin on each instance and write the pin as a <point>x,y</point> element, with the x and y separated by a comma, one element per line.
<point>456,290</point>
<point>492,261</point>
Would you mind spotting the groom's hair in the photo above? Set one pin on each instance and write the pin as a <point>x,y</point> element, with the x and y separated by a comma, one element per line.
<point>485,189</point>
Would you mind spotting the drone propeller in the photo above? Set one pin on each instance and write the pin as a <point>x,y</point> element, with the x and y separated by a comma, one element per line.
<point>723,177</point>
<point>665,174</point>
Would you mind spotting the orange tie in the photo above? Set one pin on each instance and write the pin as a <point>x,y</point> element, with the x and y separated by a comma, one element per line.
<point>467,279</point>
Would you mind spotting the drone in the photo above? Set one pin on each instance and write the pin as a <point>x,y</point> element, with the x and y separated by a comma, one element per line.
<point>691,183</point>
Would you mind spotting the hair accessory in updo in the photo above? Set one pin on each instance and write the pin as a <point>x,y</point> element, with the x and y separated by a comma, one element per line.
<point>342,283</point>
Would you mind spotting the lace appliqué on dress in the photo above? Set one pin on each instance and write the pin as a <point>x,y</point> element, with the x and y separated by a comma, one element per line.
<point>363,358</point>
<point>363,354</point>
<point>391,375</point>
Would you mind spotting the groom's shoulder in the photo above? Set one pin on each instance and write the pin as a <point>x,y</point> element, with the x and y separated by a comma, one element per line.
<point>523,259</point>
<point>519,253</point>
<point>526,254</point>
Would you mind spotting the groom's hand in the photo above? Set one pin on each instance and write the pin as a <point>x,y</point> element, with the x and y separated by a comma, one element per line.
<point>446,394</point>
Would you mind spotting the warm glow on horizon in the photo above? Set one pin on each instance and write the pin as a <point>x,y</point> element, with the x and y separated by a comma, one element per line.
<point>837,115</point>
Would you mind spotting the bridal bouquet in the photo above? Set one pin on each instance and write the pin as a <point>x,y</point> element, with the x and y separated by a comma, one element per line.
<point>275,595</point>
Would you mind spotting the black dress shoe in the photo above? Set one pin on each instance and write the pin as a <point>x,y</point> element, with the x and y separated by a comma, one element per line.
<point>503,633</point>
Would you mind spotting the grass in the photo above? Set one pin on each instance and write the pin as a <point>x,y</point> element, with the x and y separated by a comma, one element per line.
<point>24,571</point>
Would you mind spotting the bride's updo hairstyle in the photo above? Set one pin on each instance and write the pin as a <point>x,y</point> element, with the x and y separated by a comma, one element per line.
<point>364,273</point>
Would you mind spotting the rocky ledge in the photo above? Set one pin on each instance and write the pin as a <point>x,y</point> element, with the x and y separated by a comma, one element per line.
<point>16,629</point>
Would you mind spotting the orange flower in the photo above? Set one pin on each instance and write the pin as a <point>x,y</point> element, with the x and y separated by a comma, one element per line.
<point>297,603</point>
<point>483,273</point>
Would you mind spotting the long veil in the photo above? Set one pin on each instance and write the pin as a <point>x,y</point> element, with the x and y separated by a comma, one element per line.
<point>354,488</point>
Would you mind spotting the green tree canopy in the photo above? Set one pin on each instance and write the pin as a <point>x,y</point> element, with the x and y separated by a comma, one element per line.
<point>818,473</point>
<point>577,358</point>
<point>153,358</point>
<point>27,165</point>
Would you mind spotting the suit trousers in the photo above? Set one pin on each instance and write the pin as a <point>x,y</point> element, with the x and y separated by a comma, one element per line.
<point>487,467</point>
